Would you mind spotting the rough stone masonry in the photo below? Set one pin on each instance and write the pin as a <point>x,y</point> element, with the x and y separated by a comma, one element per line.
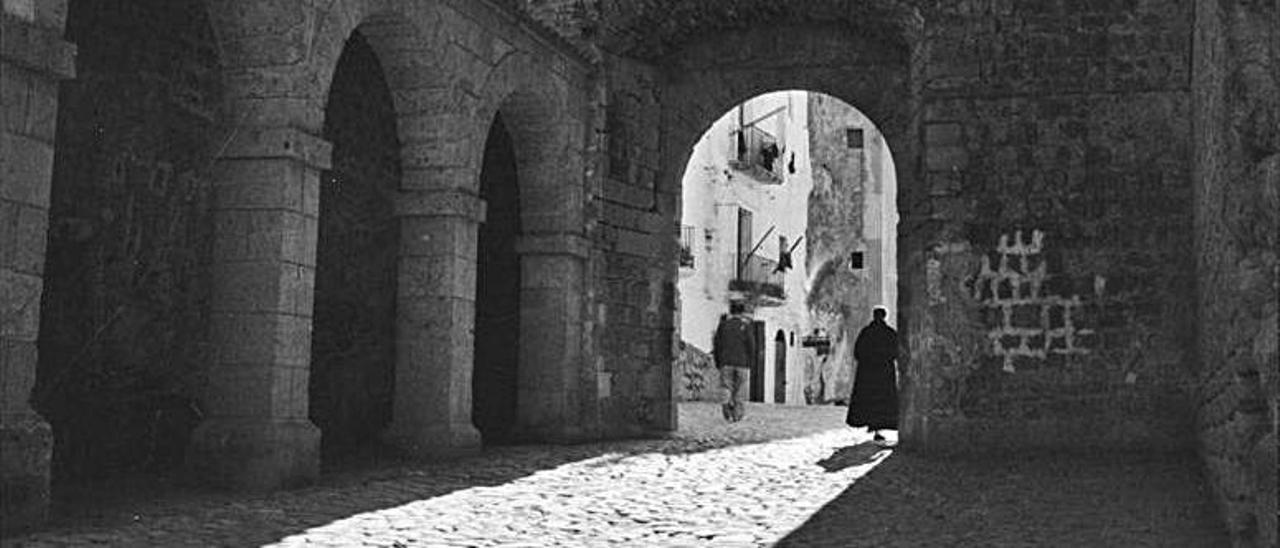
<point>1087,248</point>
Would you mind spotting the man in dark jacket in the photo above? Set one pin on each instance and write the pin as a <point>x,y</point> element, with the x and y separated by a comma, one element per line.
<point>874,403</point>
<point>733,348</point>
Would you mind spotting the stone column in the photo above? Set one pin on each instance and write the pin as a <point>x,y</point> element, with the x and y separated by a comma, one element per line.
<point>256,434</point>
<point>435,322</point>
<point>551,293</point>
<point>33,59</point>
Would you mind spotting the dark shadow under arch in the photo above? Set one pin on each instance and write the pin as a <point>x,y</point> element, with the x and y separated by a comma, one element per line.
<point>124,315</point>
<point>497,332</point>
<point>353,334</point>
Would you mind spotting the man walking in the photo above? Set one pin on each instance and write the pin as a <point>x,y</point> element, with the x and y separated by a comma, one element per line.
<point>733,348</point>
<point>874,403</point>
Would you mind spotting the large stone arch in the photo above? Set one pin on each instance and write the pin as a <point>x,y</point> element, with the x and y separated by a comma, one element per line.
<point>872,72</point>
<point>281,57</point>
<point>537,108</point>
<point>123,316</point>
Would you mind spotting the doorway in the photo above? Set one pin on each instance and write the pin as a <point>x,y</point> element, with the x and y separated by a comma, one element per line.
<point>497,333</point>
<point>780,367</point>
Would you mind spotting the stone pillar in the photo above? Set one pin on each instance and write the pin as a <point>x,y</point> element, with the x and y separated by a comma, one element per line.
<point>256,434</point>
<point>435,322</point>
<point>33,59</point>
<point>549,398</point>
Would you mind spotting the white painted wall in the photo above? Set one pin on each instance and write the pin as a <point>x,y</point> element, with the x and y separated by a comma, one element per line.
<point>712,193</point>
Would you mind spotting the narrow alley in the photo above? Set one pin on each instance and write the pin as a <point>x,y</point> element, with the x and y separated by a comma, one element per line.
<point>785,476</point>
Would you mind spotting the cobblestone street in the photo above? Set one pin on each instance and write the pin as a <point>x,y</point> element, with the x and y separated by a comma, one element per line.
<point>792,476</point>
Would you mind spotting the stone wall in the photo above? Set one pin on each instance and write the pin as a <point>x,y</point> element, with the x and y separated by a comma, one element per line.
<point>1057,265</point>
<point>636,257</point>
<point>840,297</point>
<point>33,60</point>
<point>1237,173</point>
<point>696,376</point>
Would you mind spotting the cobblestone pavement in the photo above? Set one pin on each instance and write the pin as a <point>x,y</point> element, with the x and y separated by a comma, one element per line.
<point>794,476</point>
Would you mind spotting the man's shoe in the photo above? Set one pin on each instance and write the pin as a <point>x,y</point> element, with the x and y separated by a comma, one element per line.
<point>727,411</point>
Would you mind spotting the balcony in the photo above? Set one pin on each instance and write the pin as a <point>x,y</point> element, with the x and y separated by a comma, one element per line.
<point>758,155</point>
<point>759,282</point>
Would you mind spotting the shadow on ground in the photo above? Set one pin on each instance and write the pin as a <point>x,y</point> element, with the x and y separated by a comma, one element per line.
<point>853,455</point>
<point>1112,500</point>
<point>151,511</point>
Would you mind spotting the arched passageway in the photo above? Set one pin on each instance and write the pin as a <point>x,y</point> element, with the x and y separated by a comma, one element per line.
<point>353,329</point>
<point>788,206</point>
<point>497,330</point>
<point>123,331</point>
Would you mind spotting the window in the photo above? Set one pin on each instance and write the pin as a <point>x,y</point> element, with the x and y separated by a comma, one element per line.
<point>853,137</point>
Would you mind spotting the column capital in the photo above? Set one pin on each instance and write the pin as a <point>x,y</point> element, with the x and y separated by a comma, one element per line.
<point>279,142</point>
<point>560,243</point>
<point>440,203</point>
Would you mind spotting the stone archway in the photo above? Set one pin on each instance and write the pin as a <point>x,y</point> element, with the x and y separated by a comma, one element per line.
<point>257,433</point>
<point>872,73</point>
<point>551,247</point>
<point>495,380</point>
<point>353,322</point>
<point>124,313</point>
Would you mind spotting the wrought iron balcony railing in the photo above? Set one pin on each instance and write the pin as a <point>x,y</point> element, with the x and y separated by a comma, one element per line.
<point>759,277</point>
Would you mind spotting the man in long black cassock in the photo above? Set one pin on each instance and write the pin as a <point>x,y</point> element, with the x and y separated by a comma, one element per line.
<point>874,403</point>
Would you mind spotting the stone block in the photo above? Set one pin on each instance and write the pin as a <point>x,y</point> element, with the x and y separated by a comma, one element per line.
<point>944,135</point>
<point>439,237</point>
<point>433,334</point>
<point>19,305</point>
<point>255,454</point>
<point>263,287</point>
<point>26,447</point>
<point>30,103</point>
<point>1026,316</point>
<point>251,142</point>
<point>554,273</point>
<point>23,232</point>
<point>436,276</point>
<point>435,440</point>
<point>39,48</point>
<point>249,338</point>
<point>419,154</point>
<point>27,170</point>
<point>290,394</point>
<point>440,203</point>
<point>17,375</point>
<point>277,110</point>
<point>264,235</point>
<point>637,244</point>
<point>460,178</point>
<point>946,158</point>
<point>627,195</point>
<point>241,389</point>
<point>566,220</point>
<point>264,184</point>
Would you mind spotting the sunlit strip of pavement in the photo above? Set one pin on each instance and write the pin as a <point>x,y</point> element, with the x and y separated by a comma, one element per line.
<point>748,495</point>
